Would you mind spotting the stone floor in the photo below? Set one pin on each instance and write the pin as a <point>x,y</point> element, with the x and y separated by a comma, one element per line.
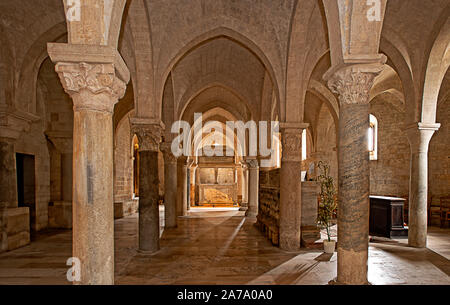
<point>220,246</point>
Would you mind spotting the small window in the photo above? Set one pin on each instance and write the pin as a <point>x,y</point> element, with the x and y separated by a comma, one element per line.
<point>373,138</point>
<point>304,155</point>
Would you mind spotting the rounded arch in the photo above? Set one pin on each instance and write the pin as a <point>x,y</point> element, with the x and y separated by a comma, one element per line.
<point>303,16</point>
<point>138,38</point>
<point>437,66</point>
<point>211,35</point>
<point>29,70</point>
<point>189,102</point>
<point>399,60</point>
<point>324,94</point>
<point>231,140</point>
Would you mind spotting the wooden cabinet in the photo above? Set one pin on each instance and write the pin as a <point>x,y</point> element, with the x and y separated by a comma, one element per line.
<point>386,217</point>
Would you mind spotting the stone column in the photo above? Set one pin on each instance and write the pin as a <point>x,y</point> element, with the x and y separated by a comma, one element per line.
<point>95,89</point>
<point>419,136</point>
<point>187,197</point>
<point>184,190</point>
<point>170,187</point>
<point>149,136</point>
<point>193,183</point>
<point>290,185</point>
<point>352,84</point>
<point>253,185</point>
<point>244,204</point>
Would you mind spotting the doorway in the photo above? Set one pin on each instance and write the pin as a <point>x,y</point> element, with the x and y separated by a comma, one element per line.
<point>26,185</point>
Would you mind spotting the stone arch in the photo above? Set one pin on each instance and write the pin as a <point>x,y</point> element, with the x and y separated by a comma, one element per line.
<point>191,95</point>
<point>198,141</point>
<point>399,60</point>
<point>298,52</point>
<point>137,22</point>
<point>322,92</point>
<point>437,66</point>
<point>214,34</point>
<point>35,56</point>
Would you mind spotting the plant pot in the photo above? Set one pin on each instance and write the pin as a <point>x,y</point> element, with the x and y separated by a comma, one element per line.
<point>329,246</point>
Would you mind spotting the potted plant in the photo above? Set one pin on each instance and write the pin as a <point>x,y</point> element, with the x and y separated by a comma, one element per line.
<point>327,206</point>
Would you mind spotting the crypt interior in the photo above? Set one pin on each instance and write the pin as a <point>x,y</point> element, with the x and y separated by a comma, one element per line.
<point>91,96</point>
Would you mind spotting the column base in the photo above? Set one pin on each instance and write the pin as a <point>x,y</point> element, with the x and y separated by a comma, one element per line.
<point>146,253</point>
<point>336,282</point>
<point>250,214</point>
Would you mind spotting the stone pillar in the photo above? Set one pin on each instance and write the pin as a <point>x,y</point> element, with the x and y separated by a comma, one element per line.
<point>170,187</point>
<point>189,170</point>
<point>180,162</point>
<point>8,187</point>
<point>353,84</point>
<point>95,89</point>
<point>149,136</point>
<point>244,204</point>
<point>419,136</point>
<point>184,190</point>
<point>290,185</point>
<point>253,185</point>
<point>193,183</point>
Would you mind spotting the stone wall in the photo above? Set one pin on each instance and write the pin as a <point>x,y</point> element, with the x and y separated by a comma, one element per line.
<point>124,204</point>
<point>268,218</point>
<point>123,162</point>
<point>54,110</point>
<point>439,154</point>
<point>389,175</point>
<point>326,143</point>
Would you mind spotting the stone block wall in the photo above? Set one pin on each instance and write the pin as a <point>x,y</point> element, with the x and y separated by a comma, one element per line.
<point>268,218</point>
<point>60,215</point>
<point>125,208</point>
<point>439,154</point>
<point>123,162</point>
<point>34,143</point>
<point>18,230</point>
<point>389,175</point>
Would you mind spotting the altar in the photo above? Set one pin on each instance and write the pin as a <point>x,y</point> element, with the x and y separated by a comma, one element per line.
<point>386,217</point>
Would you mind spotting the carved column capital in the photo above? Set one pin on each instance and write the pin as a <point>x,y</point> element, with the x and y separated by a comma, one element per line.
<point>91,86</point>
<point>291,141</point>
<point>352,84</point>
<point>149,136</point>
<point>251,163</point>
<point>419,136</point>
<point>166,148</point>
<point>243,164</point>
